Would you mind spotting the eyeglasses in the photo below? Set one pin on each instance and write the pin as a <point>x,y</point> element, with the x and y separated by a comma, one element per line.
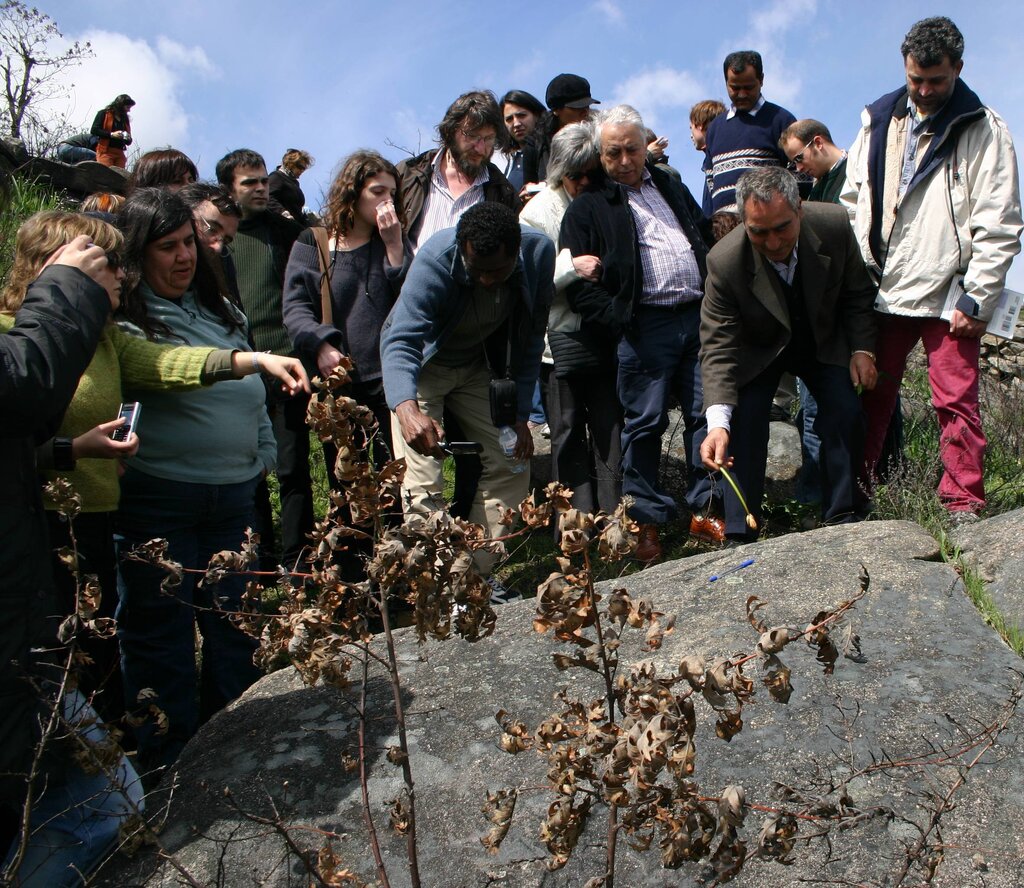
<point>114,260</point>
<point>585,174</point>
<point>213,229</point>
<point>799,158</point>
<point>477,139</point>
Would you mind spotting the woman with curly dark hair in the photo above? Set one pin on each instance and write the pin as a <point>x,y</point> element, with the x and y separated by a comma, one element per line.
<point>365,257</point>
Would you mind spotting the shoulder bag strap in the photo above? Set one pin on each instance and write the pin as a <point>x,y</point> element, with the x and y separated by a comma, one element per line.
<point>324,255</point>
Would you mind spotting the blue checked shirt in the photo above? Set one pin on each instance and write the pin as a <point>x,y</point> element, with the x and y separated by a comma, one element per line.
<point>670,271</point>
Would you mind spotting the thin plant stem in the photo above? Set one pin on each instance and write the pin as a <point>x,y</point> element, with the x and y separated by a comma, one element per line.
<point>382,872</point>
<point>396,693</point>
<point>751,522</point>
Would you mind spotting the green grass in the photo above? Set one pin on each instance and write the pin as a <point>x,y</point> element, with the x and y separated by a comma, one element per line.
<point>911,493</point>
<point>25,199</point>
<point>974,585</point>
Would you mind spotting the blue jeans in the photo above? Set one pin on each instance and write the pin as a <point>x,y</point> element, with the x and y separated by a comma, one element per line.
<point>537,414</point>
<point>658,358</point>
<point>76,822</point>
<point>157,629</point>
<point>808,480</point>
<point>74,153</point>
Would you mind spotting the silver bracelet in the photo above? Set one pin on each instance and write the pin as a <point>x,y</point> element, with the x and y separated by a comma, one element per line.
<point>256,361</point>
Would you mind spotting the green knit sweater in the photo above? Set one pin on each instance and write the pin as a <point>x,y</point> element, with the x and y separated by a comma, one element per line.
<point>142,365</point>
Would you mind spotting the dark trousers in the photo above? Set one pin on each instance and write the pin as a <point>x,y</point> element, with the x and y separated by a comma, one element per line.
<point>658,359</point>
<point>351,560</point>
<point>94,537</point>
<point>586,429</point>
<point>839,424</point>
<point>288,417</point>
<point>157,628</point>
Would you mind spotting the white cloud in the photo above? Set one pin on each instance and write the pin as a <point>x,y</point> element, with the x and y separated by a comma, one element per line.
<point>767,35</point>
<point>152,75</point>
<point>780,17</point>
<point>610,10</point>
<point>529,68</point>
<point>177,55</point>
<point>410,134</point>
<point>658,90</point>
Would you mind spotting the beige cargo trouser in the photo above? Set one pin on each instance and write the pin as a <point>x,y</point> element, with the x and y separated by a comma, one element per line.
<point>465,391</point>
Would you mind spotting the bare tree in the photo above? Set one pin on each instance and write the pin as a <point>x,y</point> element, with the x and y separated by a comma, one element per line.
<point>30,62</point>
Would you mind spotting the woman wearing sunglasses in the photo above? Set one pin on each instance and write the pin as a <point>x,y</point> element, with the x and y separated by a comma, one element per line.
<point>583,408</point>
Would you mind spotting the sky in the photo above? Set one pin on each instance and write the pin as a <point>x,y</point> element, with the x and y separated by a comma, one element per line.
<point>210,76</point>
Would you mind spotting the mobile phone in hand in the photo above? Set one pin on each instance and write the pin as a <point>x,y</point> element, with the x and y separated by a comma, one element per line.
<point>130,411</point>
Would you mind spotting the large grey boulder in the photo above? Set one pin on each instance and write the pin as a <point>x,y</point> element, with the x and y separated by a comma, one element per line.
<point>995,549</point>
<point>927,657</point>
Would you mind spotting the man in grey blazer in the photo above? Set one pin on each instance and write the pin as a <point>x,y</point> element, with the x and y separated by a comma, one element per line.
<point>786,292</point>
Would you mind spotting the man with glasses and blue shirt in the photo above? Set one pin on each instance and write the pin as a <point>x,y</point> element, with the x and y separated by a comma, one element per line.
<point>652,240</point>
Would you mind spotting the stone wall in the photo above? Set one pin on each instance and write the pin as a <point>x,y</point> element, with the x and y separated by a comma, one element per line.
<point>1003,359</point>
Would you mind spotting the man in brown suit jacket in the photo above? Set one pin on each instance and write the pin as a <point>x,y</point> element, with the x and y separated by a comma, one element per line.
<point>786,292</point>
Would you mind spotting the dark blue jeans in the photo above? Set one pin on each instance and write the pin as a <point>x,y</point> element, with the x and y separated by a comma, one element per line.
<point>658,358</point>
<point>76,820</point>
<point>839,424</point>
<point>808,483</point>
<point>157,629</point>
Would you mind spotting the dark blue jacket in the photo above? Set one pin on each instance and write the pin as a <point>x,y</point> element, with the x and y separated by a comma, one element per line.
<point>435,296</point>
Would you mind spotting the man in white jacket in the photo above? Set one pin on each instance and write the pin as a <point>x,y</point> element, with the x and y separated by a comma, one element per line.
<point>932,189</point>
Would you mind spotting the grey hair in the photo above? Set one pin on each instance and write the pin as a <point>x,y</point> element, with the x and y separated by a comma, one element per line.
<point>574,148</point>
<point>622,115</point>
<point>763,184</point>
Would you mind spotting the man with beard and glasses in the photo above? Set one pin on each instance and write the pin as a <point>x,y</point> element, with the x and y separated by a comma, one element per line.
<point>439,185</point>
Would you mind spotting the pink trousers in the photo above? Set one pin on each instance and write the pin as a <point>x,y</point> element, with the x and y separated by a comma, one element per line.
<point>953,376</point>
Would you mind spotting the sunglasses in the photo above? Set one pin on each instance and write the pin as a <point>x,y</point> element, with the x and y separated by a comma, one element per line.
<point>586,174</point>
<point>799,158</point>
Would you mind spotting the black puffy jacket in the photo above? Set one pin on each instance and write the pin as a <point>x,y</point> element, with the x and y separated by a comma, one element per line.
<point>41,359</point>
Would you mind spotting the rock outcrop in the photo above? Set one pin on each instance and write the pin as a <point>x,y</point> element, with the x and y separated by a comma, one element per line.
<point>930,669</point>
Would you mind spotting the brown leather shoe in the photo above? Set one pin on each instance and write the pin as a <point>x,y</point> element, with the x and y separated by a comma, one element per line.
<point>707,528</point>
<point>648,547</point>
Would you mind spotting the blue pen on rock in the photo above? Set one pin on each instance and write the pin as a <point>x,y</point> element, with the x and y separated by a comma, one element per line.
<point>724,573</point>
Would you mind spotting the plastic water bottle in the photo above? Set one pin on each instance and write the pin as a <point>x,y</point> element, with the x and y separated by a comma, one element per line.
<point>507,438</point>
